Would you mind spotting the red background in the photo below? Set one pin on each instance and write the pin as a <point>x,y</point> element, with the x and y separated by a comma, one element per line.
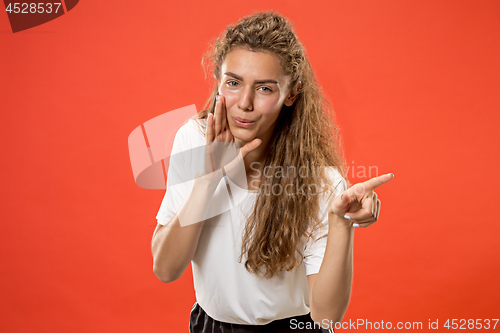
<point>415,88</point>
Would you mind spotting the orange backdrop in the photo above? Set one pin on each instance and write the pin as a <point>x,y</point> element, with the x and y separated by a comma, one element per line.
<point>415,88</point>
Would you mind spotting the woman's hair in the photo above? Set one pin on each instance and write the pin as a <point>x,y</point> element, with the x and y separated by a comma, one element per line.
<point>305,135</point>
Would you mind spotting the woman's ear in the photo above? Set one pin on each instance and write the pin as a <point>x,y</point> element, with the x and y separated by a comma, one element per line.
<point>292,96</point>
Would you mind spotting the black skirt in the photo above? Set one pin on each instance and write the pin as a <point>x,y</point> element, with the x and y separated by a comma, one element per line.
<point>200,322</point>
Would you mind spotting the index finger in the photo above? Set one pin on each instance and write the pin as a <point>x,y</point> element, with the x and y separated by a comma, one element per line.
<point>375,182</point>
<point>225,123</point>
<point>210,131</point>
<point>218,115</point>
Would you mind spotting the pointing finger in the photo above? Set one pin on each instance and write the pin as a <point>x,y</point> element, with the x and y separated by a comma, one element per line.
<point>375,182</point>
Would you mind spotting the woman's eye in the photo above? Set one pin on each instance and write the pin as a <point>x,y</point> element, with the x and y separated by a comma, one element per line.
<point>232,83</point>
<point>266,89</point>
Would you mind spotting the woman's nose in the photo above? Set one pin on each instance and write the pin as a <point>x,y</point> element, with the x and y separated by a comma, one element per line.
<point>245,101</point>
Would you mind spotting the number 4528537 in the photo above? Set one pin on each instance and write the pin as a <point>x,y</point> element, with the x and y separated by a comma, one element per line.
<point>32,8</point>
<point>463,324</point>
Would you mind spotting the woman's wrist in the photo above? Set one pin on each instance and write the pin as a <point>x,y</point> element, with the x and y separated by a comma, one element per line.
<point>209,180</point>
<point>338,222</point>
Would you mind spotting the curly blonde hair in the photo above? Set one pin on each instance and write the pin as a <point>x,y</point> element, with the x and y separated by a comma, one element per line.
<point>305,134</point>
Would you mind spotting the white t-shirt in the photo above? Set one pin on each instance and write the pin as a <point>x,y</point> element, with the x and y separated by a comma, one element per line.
<point>224,288</point>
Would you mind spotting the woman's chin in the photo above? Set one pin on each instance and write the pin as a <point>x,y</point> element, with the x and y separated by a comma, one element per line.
<point>242,140</point>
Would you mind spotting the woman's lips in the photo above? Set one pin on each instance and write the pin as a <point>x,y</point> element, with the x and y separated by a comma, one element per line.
<point>243,122</point>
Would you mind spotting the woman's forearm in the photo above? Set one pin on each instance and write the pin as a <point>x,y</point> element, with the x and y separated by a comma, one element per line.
<point>174,244</point>
<point>332,288</point>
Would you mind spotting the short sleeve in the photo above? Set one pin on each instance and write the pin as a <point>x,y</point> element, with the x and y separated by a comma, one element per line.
<point>181,170</point>
<point>315,247</point>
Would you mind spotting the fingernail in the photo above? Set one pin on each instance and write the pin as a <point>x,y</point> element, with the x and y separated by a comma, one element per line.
<point>341,197</point>
<point>347,217</point>
<point>392,174</point>
<point>217,97</point>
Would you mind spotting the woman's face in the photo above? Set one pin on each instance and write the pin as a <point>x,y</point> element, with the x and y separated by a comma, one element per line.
<point>255,89</point>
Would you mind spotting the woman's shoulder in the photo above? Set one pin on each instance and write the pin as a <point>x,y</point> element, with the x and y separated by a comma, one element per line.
<point>192,132</point>
<point>333,174</point>
<point>334,183</point>
<point>194,124</point>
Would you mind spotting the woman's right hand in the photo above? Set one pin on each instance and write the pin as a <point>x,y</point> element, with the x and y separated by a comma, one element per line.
<point>221,151</point>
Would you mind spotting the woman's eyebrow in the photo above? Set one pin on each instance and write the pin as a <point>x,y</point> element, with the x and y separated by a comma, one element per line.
<point>257,81</point>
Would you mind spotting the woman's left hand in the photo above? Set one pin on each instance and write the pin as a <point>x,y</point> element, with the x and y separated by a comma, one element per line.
<point>359,202</point>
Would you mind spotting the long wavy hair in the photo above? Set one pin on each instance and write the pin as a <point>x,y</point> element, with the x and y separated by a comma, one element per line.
<point>305,135</point>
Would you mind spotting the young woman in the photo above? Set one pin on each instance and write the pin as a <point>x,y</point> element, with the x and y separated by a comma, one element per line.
<point>255,220</point>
